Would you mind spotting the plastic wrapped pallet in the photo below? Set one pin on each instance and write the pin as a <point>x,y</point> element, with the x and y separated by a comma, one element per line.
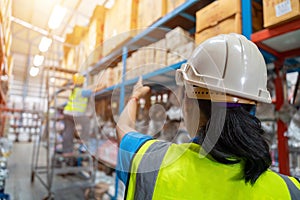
<point>161,52</point>
<point>173,57</point>
<point>185,51</point>
<point>279,11</point>
<point>149,54</point>
<point>177,37</point>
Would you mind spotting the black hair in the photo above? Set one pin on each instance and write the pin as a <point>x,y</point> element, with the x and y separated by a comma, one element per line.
<point>241,138</point>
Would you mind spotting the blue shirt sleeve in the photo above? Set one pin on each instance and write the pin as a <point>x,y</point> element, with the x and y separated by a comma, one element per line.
<point>129,145</point>
<point>86,92</point>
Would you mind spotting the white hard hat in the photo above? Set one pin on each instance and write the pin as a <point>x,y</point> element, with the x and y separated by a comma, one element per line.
<point>226,64</point>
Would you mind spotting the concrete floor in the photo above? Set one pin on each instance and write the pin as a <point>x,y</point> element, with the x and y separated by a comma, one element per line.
<point>18,184</point>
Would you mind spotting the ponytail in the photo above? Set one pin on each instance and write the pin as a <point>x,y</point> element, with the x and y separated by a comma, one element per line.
<point>241,140</point>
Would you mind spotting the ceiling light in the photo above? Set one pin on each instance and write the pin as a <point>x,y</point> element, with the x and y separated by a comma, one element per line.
<point>45,44</point>
<point>34,71</point>
<point>106,3</point>
<point>38,60</point>
<point>52,79</point>
<point>56,17</point>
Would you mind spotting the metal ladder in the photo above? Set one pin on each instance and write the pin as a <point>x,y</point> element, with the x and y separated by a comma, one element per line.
<point>47,141</point>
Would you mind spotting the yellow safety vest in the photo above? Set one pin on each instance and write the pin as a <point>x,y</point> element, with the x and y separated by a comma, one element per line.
<point>161,170</point>
<point>77,103</point>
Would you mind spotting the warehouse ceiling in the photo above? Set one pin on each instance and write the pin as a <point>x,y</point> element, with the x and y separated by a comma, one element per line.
<point>29,23</point>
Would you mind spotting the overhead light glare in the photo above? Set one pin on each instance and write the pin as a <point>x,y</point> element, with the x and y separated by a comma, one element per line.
<point>34,71</point>
<point>106,3</point>
<point>56,17</point>
<point>45,44</point>
<point>38,60</point>
<point>109,4</point>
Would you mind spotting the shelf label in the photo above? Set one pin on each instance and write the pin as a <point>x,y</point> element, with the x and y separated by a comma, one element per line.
<point>283,8</point>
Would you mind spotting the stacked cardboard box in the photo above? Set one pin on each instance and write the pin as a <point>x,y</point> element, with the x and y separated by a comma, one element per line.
<point>222,16</point>
<point>280,11</point>
<point>119,31</point>
<point>150,11</point>
<point>94,36</point>
<point>172,4</point>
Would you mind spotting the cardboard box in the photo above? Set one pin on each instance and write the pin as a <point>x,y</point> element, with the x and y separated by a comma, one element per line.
<point>257,16</point>
<point>150,11</point>
<point>232,24</point>
<point>172,4</point>
<point>280,11</point>
<point>126,12</point>
<point>96,28</point>
<point>215,12</point>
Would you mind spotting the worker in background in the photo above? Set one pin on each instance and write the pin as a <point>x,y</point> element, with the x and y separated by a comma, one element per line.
<point>78,111</point>
<point>228,158</point>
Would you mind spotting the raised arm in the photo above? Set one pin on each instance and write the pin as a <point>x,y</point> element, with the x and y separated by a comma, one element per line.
<point>126,122</point>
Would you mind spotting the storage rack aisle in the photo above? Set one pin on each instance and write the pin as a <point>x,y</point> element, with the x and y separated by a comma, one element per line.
<point>47,169</point>
<point>183,16</point>
<point>165,24</point>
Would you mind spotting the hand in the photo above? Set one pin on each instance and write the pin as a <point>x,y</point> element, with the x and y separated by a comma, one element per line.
<point>139,90</point>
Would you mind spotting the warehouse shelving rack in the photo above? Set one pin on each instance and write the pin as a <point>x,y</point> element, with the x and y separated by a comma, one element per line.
<point>281,45</point>
<point>183,16</point>
<point>46,169</point>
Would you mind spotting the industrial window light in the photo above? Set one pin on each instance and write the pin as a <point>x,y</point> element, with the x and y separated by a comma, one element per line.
<point>34,71</point>
<point>45,44</point>
<point>38,60</point>
<point>56,17</point>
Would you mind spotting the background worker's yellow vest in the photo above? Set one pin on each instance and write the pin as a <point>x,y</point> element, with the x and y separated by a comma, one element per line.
<point>76,103</point>
<point>163,171</point>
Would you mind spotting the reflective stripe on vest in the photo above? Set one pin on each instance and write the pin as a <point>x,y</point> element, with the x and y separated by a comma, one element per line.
<point>182,174</point>
<point>146,173</point>
<point>76,102</point>
<point>294,191</point>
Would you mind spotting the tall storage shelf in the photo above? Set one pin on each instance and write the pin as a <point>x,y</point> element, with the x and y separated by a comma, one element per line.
<point>6,60</point>
<point>281,45</point>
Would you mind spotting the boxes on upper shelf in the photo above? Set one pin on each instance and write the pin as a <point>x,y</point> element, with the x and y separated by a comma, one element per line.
<point>118,31</point>
<point>94,36</point>
<point>150,11</point>
<point>215,12</point>
<point>172,4</point>
<point>223,16</point>
<point>230,25</point>
<point>279,11</point>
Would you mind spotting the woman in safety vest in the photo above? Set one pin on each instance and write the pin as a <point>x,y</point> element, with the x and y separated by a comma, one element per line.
<point>228,158</point>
